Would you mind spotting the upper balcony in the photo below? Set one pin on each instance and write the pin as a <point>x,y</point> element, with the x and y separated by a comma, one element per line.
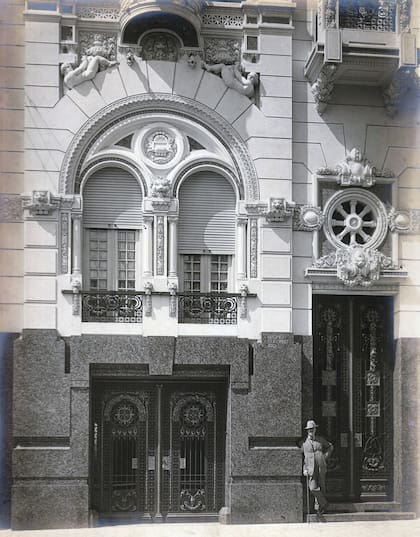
<point>362,42</point>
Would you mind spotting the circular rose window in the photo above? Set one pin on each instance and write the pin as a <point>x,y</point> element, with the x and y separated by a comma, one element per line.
<point>354,217</point>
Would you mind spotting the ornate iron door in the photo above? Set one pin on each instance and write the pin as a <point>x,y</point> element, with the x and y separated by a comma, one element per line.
<point>158,449</point>
<point>353,361</point>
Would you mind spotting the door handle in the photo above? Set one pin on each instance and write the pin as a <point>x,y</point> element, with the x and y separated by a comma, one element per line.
<point>166,462</point>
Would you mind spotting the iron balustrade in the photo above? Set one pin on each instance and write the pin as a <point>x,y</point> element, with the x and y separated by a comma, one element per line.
<point>367,15</point>
<point>208,308</point>
<point>112,306</point>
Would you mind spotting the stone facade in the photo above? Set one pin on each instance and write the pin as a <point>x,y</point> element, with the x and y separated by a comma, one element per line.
<point>320,156</point>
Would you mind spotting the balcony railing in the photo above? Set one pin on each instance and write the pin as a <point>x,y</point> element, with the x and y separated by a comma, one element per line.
<point>208,308</point>
<point>112,306</point>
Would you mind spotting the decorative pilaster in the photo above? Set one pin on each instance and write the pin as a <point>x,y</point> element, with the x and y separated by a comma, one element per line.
<point>148,247</point>
<point>253,247</point>
<point>241,224</point>
<point>160,245</point>
<point>243,307</point>
<point>76,273</point>
<point>173,246</point>
<point>172,287</point>
<point>148,288</point>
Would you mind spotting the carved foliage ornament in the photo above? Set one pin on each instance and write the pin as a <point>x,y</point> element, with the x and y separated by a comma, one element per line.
<point>160,46</point>
<point>222,51</point>
<point>308,218</point>
<point>323,87</point>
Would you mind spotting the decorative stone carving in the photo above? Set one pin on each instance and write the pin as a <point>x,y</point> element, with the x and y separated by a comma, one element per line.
<point>10,208</point>
<point>148,288</point>
<point>356,266</point>
<point>404,221</point>
<point>222,20</point>
<point>225,51</point>
<point>172,287</point>
<point>160,46</point>
<point>323,87</point>
<point>330,13</point>
<point>308,218</point>
<point>278,210</point>
<point>243,309</point>
<point>130,109</point>
<point>355,217</point>
<point>98,54</point>
<point>253,255</point>
<point>41,203</point>
<point>76,286</point>
<point>64,243</point>
<point>160,147</point>
<point>98,13</point>
<point>404,15</point>
<point>161,187</point>
<point>355,170</point>
<point>129,58</point>
<point>233,78</point>
<point>160,246</point>
<point>393,95</point>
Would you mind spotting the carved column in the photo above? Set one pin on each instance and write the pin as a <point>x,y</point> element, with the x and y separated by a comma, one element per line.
<point>173,246</point>
<point>148,246</point>
<point>241,247</point>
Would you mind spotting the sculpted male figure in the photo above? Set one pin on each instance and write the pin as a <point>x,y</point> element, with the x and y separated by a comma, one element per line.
<point>232,77</point>
<point>316,451</point>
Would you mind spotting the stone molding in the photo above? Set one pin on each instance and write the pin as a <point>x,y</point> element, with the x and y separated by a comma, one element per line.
<point>175,105</point>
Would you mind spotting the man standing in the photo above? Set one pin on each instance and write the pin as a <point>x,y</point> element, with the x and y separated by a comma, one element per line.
<point>316,451</point>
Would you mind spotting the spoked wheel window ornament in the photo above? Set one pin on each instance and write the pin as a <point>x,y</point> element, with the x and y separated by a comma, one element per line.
<point>355,218</point>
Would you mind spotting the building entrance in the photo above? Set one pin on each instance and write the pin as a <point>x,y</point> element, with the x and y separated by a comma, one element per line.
<point>158,449</point>
<point>353,363</point>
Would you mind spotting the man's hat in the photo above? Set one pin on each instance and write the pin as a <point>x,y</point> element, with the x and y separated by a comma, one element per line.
<point>310,424</point>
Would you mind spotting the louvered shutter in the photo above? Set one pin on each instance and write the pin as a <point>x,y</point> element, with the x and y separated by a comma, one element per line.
<point>112,196</point>
<point>207,204</point>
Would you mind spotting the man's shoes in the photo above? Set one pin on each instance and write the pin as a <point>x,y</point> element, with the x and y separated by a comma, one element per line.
<point>322,509</point>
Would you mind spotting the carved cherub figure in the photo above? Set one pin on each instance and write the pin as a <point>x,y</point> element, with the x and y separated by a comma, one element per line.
<point>356,166</point>
<point>233,78</point>
<point>93,61</point>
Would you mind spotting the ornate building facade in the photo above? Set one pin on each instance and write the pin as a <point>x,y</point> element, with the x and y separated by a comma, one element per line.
<point>210,232</point>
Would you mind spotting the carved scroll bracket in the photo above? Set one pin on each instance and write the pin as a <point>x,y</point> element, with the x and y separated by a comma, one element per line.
<point>323,87</point>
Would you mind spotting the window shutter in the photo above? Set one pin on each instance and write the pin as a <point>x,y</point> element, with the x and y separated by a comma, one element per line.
<point>112,197</point>
<point>207,204</point>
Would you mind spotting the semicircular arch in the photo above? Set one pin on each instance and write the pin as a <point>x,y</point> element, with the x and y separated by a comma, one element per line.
<point>173,106</point>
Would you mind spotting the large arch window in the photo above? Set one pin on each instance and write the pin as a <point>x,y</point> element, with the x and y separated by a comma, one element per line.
<point>206,233</point>
<point>112,219</point>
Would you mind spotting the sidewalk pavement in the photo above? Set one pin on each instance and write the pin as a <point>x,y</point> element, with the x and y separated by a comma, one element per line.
<point>400,528</point>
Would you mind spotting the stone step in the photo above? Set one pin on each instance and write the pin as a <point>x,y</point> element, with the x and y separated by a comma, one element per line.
<point>352,507</point>
<point>361,516</point>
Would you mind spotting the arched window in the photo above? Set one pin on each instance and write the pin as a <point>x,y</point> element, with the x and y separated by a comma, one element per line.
<point>206,232</point>
<point>112,218</point>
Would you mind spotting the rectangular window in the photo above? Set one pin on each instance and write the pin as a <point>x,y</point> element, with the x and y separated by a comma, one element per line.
<point>110,259</point>
<point>206,273</point>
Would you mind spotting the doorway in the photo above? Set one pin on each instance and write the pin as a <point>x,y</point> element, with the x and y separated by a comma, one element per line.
<point>353,370</point>
<point>158,449</point>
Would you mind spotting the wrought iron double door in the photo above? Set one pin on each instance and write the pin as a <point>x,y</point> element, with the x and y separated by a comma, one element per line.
<point>353,363</point>
<point>158,448</point>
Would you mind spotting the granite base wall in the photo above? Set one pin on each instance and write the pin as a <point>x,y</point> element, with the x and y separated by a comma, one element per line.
<point>51,409</point>
<point>49,505</point>
<point>407,423</point>
<point>6,382</point>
